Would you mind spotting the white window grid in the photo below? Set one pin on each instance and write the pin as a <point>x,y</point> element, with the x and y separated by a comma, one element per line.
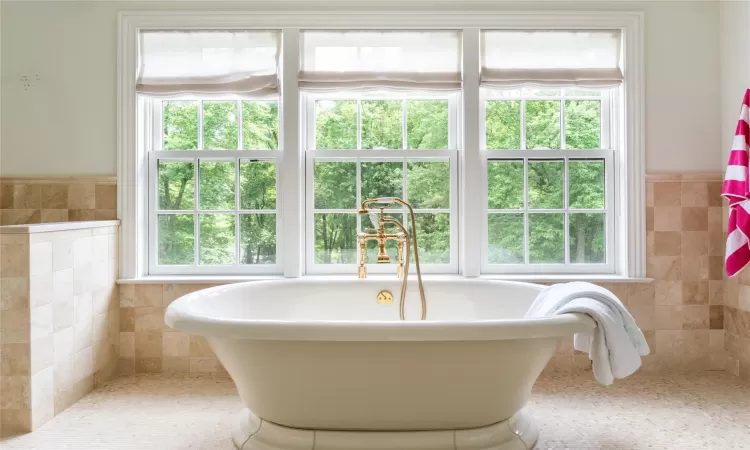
<point>156,154</point>
<point>608,116</point>
<point>359,156</point>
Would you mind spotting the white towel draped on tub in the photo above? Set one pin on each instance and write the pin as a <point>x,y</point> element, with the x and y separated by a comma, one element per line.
<point>616,345</point>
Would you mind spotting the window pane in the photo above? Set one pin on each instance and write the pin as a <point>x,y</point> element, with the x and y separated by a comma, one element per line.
<point>427,124</point>
<point>583,124</point>
<point>381,124</point>
<point>257,238</point>
<point>546,238</point>
<point>217,239</point>
<point>335,185</point>
<point>586,184</point>
<point>257,185</point>
<point>542,124</point>
<point>546,184</point>
<point>220,125</point>
<point>217,185</point>
<point>335,125</point>
<point>391,247</point>
<point>505,238</point>
<point>587,242</point>
<point>505,184</point>
<point>176,239</point>
<point>382,179</point>
<point>260,125</point>
<point>503,125</point>
<point>433,238</point>
<point>180,125</point>
<point>428,184</point>
<point>335,238</point>
<point>176,185</point>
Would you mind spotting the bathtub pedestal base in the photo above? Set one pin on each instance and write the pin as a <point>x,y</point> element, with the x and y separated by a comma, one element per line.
<point>253,433</point>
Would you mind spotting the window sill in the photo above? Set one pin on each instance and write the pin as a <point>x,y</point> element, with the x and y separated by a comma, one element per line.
<point>222,279</point>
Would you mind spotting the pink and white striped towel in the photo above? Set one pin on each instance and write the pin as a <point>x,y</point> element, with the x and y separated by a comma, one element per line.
<point>737,190</point>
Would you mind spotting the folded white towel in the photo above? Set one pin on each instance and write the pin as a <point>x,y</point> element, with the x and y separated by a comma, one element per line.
<point>616,345</point>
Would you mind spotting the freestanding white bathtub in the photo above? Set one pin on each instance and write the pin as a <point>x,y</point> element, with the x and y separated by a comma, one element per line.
<point>322,365</point>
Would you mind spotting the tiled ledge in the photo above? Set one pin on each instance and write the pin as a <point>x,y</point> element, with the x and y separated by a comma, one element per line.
<point>56,226</point>
<point>102,179</point>
<point>684,176</point>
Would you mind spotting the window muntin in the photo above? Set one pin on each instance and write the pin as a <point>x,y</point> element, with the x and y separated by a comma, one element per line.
<point>380,145</point>
<point>213,172</point>
<point>550,180</point>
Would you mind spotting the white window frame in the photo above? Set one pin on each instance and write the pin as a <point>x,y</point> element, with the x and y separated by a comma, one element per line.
<point>157,153</point>
<point>607,151</point>
<point>396,155</point>
<point>132,139</point>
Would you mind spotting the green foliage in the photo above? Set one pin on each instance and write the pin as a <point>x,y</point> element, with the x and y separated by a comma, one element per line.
<point>220,125</point>
<point>427,181</point>
<point>180,125</point>
<point>545,182</point>
<point>260,125</point>
<point>427,124</point>
<point>217,184</point>
<point>336,125</point>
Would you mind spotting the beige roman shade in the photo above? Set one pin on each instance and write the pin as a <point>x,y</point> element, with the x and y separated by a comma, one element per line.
<point>561,58</point>
<point>361,60</point>
<point>208,62</point>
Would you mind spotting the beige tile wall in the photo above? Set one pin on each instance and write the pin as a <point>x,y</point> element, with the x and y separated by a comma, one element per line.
<point>59,321</point>
<point>42,200</point>
<point>737,324</point>
<point>147,345</point>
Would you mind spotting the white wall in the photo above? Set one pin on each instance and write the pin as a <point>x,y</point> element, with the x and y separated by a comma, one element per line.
<point>735,67</point>
<point>65,124</point>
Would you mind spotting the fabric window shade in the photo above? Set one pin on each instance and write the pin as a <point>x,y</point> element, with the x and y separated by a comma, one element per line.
<point>208,62</point>
<point>362,60</point>
<point>559,58</point>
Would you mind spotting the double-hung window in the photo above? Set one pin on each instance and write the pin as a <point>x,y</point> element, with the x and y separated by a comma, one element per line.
<point>214,147</point>
<point>380,120</point>
<point>548,101</point>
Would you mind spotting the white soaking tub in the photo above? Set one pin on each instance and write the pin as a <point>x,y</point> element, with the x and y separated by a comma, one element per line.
<point>321,364</point>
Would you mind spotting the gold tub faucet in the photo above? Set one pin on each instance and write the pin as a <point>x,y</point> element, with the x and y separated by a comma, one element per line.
<point>381,237</point>
<point>404,240</point>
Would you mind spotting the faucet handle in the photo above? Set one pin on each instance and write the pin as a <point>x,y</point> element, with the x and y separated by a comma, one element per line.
<point>362,273</point>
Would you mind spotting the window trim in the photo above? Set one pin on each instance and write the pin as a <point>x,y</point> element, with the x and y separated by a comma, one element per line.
<point>132,140</point>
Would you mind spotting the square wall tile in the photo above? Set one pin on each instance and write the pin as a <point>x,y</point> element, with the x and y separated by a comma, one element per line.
<point>54,196</point>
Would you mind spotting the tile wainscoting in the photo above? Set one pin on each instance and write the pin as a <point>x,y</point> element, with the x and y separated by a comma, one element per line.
<point>59,318</point>
<point>26,200</point>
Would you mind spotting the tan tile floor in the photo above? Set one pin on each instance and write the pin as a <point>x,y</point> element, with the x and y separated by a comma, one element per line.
<point>704,411</point>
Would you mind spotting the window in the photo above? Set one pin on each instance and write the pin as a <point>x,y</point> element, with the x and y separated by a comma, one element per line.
<point>249,152</point>
<point>369,146</point>
<point>549,172</point>
<point>215,186</point>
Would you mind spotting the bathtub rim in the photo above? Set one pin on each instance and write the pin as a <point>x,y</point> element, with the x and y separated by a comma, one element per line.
<point>180,316</point>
